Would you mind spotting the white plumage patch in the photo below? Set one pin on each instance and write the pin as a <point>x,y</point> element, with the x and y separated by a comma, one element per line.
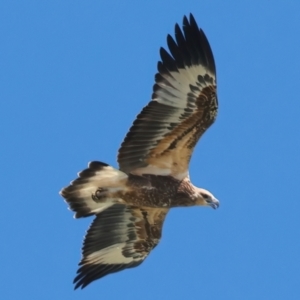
<point>160,142</point>
<point>176,87</point>
<point>120,237</point>
<point>110,255</point>
<point>184,104</point>
<point>79,194</point>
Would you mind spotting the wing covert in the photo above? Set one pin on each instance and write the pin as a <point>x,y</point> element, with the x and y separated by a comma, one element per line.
<point>184,104</point>
<point>120,237</point>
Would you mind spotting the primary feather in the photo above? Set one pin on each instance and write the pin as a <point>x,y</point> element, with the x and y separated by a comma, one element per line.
<point>131,204</point>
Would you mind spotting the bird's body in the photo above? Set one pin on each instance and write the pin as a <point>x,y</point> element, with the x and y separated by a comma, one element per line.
<point>131,203</point>
<point>159,191</point>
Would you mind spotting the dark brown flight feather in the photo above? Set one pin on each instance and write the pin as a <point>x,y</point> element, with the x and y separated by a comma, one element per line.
<point>184,104</point>
<point>131,204</point>
<point>130,233</point>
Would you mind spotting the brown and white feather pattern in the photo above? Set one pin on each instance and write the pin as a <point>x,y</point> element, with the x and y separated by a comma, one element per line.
<point>80,193</point>
<point>131,204</point>
<point>184,104</point>
<point>120,237</point>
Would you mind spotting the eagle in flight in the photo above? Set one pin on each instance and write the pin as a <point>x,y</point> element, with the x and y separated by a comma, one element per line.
<point>130,203</point>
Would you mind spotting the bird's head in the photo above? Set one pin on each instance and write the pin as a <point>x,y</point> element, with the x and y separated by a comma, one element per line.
<point>206,198</point>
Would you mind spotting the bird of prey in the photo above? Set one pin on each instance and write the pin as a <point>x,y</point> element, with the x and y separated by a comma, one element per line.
<point>130,203</point>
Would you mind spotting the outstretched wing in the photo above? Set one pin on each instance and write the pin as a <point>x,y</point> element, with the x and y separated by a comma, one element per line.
<point>184,104</point>
<point>120,237</point>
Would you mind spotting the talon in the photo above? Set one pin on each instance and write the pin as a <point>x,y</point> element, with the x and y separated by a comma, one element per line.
<point>99,194</point>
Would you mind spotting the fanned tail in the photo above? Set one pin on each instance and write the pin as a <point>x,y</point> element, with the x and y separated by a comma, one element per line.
<point>89,193</point>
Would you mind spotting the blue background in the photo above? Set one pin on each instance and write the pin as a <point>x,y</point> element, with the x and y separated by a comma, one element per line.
<point>73,76</point>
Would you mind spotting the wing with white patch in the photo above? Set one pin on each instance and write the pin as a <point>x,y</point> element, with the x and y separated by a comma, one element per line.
<point>184,104</point>
<point>120,237</point>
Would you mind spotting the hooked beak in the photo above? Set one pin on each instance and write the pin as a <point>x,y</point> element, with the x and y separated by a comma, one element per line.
<point>214,203</point>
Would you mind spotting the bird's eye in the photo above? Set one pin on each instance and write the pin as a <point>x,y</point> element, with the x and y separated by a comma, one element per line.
<point>205,196</point>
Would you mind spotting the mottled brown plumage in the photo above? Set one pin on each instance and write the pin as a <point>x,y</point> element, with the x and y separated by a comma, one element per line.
<point>131,203</point>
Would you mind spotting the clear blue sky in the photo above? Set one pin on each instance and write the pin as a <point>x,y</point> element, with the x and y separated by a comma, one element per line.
<point>73,76</point>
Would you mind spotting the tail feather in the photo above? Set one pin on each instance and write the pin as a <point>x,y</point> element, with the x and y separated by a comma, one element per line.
<point>82,194</point>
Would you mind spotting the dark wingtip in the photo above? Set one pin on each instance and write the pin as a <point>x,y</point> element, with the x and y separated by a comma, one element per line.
<point>88,274</point>
<point>96,165</point>
<point>192,20</point>
<point>189,47</point>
